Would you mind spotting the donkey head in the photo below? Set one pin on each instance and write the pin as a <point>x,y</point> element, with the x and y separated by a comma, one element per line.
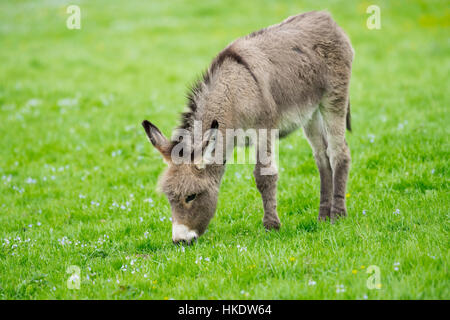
<point>191,187</point>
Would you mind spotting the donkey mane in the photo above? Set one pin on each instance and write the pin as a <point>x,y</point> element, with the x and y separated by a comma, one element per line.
<point>205,79</point>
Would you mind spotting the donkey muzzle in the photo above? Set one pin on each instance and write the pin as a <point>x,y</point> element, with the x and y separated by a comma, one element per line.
<point>182,234</point>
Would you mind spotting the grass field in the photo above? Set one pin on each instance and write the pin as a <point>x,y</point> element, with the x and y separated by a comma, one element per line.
<point>78,175</point>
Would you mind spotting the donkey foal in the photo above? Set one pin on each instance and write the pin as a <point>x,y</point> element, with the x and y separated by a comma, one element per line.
<point>290,75</point>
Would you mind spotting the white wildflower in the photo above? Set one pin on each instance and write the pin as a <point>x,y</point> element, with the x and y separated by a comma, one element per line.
<point>311,283</point>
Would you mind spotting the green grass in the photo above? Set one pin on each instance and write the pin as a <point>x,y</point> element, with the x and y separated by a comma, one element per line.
<point>71,99</point>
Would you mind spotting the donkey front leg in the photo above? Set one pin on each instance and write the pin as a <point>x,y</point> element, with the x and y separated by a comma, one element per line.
<point>266,177</point>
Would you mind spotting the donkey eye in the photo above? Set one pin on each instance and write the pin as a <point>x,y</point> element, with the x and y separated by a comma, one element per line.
<point>191,197</point>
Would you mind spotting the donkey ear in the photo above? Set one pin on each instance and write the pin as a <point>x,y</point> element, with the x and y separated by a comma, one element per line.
<point>158,140</point>
<point>214,124</point>
<point>210,143</point>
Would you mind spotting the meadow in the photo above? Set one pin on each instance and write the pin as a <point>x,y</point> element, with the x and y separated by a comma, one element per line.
<point>78,199</point>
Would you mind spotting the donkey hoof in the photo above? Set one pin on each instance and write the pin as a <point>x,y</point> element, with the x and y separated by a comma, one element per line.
<point>324,214</point>
<point>337,214</point>
<point>272,225</point>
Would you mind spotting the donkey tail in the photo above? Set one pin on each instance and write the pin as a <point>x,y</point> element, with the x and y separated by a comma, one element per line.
<point>349,118</point>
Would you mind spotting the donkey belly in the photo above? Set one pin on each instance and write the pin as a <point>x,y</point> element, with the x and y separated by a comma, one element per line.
<point>293,118</point>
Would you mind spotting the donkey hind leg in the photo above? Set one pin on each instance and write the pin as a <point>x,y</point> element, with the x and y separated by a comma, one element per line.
<point>316,136</point>
<point>334,112</point>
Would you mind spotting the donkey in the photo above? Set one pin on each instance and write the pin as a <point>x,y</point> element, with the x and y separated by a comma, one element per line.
<point>289,75</point>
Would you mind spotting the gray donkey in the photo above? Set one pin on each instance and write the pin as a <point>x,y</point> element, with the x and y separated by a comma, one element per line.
<point>290,75</point>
